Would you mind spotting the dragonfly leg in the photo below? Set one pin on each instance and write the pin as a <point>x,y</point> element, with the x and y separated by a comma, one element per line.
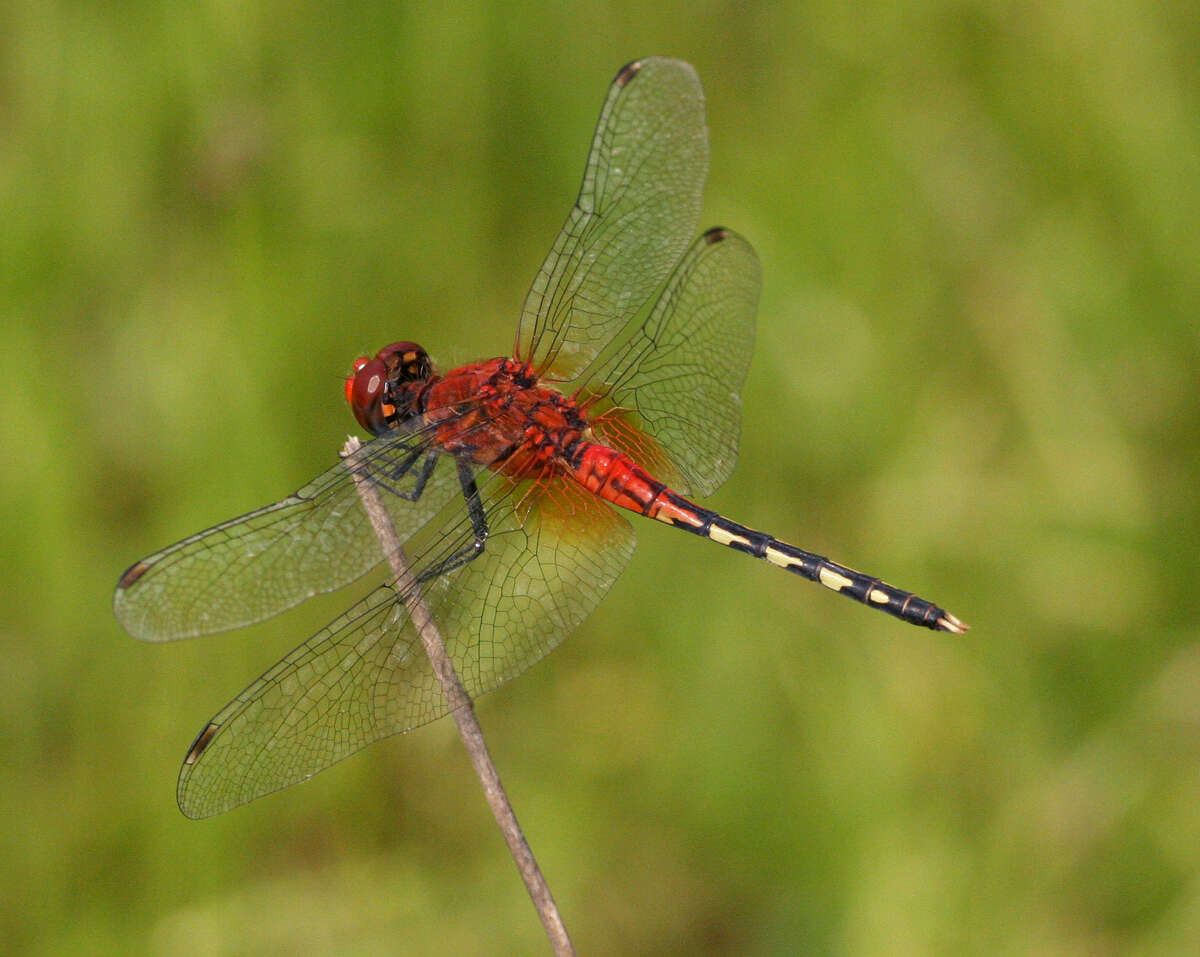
<point>390,477</point>
<point>479,528</point>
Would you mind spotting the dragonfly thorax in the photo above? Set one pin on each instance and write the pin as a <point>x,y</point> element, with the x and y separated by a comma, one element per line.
<point>383,391</point>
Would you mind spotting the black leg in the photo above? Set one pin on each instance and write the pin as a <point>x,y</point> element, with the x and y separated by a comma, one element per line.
<point>387,479</point>
<point>478,527</point>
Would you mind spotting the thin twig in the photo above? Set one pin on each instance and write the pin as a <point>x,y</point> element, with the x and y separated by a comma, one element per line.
<point>463,710</point>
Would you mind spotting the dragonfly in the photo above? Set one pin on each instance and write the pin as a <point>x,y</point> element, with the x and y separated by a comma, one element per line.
<point>509,479</point>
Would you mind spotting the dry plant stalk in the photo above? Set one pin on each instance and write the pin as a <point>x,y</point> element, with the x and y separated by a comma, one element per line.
<point>463,710</point>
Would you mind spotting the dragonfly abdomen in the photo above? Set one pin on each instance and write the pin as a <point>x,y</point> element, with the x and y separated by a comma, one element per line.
<point>871,591</point>
<point>618,479</point>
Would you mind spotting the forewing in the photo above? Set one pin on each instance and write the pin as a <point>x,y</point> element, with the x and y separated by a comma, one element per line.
<point>253,567</point>
<point>551,555</point>
<point>679,378</point>
<point>637,208</point>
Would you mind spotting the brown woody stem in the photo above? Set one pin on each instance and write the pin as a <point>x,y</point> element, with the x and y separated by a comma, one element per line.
<point>463,710</point>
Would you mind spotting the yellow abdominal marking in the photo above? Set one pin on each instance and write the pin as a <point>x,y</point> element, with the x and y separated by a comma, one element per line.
<point>878,596</point>
<point>723,537</point>
<point>831,579</point>
<point>776,557</point>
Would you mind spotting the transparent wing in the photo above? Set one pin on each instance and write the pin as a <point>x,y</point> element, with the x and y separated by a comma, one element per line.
<point>637,209</point>
<point>253,567</point>
<point>678,378</point>
<point>552,553</point>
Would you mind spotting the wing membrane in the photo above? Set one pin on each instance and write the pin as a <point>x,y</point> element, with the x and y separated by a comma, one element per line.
<point>681,372</point>
<point>253,567</point>
<point>637,209</point>
<point>550,557</point>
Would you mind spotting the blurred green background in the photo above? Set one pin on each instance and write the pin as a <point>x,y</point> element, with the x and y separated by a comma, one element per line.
<point>976,375</point>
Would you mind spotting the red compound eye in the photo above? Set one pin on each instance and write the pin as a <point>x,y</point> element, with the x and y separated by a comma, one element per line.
<point>358,367</point>
<point>365,393</point>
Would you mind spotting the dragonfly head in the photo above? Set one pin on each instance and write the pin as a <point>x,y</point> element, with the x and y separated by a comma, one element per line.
<point>381,390</point>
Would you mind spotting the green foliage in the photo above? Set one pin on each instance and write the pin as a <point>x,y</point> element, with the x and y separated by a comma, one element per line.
<point>975,375</point>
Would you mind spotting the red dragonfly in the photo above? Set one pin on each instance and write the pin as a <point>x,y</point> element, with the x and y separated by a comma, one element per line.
<point>622,391</point>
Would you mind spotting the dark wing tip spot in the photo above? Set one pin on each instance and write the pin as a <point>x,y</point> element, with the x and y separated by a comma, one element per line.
<point>132,574</point>
<point>715,235</point>
<point>627,72</point>
<point>203,739</point>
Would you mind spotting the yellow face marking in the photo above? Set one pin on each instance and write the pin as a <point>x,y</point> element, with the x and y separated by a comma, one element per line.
<point>723,537</point>
<point>831,579</point>
<point>878,596</point>
<point>776,557</point>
